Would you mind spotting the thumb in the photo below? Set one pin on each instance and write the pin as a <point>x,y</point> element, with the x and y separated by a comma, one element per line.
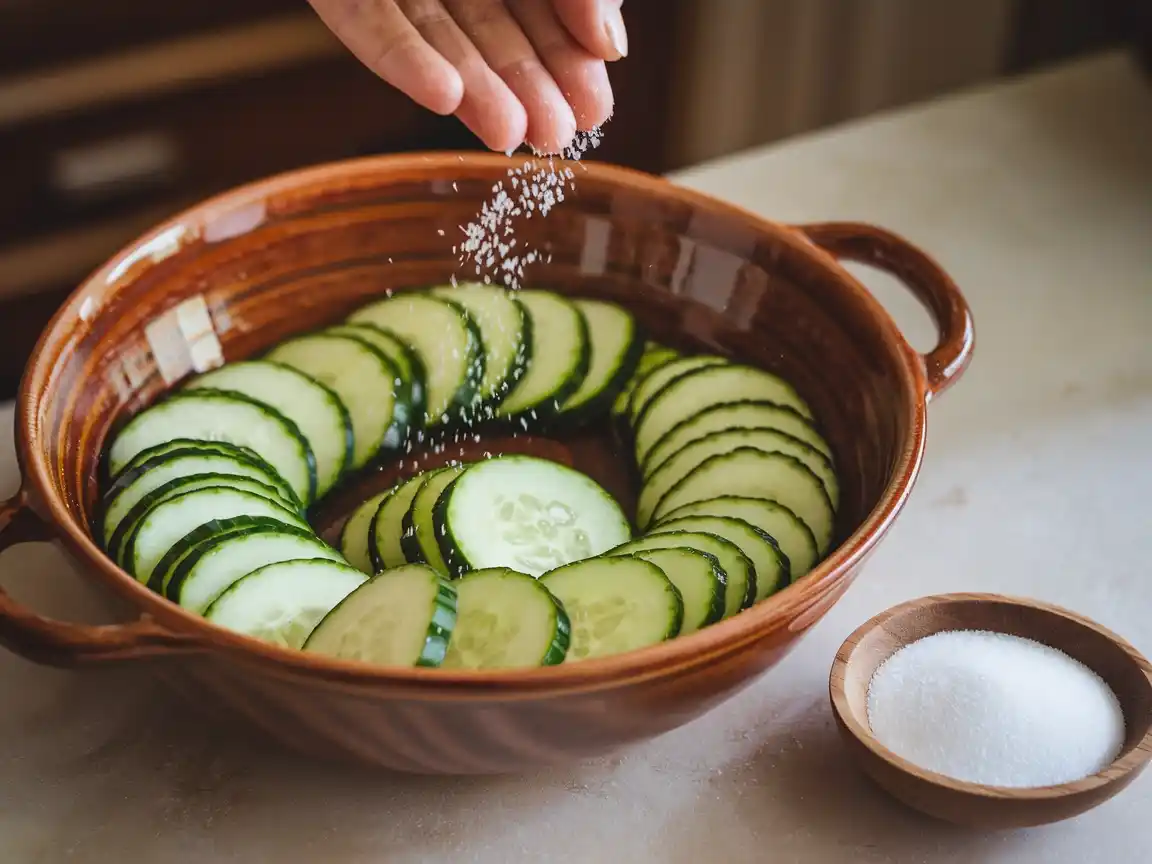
<point>597,25</point>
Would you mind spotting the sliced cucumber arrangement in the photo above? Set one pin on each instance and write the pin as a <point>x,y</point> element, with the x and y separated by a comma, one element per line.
<point>421,534</point>
<point>747,471</point>
<point>446,340</point>
<point>217,563</point>
<point>560,350</point>
<point>141,479</point>
<point>615,346</point>
<point>507,562</point>
<point>354,536</point>
<point>402,617</point>
<point>283,602</point>
<point>682,463</point>
<point>737,572</point>
<point>127,525</point>
<point>526,513</point>
<point>506,620</point>
<point>505,334</point>
<point>771,566</point>
<point>170,520</point>
<point>703,387</point>
<point>795,539</point>
<point>386,530</point>
<point>214,415</point>
<point>725,417</point>
<point>411,401</point>
<point>615,605</point>
<point>363,378</point>
<point>317,411</point>
<point>697,575</point>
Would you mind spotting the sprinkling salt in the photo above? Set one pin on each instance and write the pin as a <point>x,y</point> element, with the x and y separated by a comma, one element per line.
<point>995,709</point>
<point>533,188</point>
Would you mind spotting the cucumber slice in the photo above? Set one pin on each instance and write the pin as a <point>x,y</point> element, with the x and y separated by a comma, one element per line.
<point>385,549</point>
<point>615,605</point>
<point>354,536</point>
<point>504,331</point>
<point>739,572</point>
<point>654,357</point>
<point>411,398</point>
<point>771,565</point>
<point>210,531</point>
<point>731,415</point>
<point>402,617</point>
<point>697,575</point>
<point>559,349</point>
<point>506,620</point>
<point>281,603</point>
<point>147,459</point>
<point>418,539</point>
<point>363,378</point>
<point>447,342</point>
<point>793,537</point>
<point>707,387</point>
<point>748,472</point>
<point>526,513</point>
<point>615,347</point>
<point>318,412</point>
<point>166,523</point>
<point>211,568</point>
<point>684,461</point>
<point>117,543</point>
<point>212,415</point>
<point>136,483</point>
<point>658,378</point>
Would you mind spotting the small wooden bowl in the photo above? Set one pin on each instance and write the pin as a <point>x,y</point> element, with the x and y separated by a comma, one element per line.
<point>1123,668</point>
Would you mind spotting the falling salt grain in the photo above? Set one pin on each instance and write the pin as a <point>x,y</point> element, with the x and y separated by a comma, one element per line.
<point>995,709</point>
<point>536,187</point>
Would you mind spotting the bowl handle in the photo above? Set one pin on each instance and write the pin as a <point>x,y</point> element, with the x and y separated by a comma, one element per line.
<point>867,244</point>
<point>57,643</point>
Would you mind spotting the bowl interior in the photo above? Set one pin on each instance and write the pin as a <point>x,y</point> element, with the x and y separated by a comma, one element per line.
<point>1118,664</point>
<point>230,278</point>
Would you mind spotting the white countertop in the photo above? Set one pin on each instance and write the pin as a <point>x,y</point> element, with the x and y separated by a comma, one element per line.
<point>1037,196</point>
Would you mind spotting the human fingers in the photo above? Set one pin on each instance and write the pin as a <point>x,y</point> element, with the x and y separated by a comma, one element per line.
<point>499,39</point>
<point>597,25</point>
<point>489,107</point>
<point>385,41</point>
<point>582,78</point>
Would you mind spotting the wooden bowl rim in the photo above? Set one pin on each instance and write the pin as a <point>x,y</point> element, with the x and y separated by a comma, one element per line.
<point>1115,772</point>
<point>702,648</point>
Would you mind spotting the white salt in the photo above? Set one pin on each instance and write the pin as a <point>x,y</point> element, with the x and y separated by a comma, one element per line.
<point>533,188</point>
<point>995,709</point>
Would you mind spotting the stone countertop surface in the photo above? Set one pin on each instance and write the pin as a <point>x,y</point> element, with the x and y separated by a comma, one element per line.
<point>1037,196</point>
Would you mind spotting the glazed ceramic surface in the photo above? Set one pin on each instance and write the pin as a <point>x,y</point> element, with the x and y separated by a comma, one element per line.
<point>234,275</point>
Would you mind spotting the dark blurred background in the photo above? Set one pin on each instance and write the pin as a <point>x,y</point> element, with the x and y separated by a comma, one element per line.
<point>116,113</point>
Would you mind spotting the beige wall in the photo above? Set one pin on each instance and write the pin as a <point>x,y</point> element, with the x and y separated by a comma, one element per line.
<point>754,71</point>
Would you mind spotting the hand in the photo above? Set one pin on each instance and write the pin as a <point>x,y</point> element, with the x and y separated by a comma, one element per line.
<point>511,70</point>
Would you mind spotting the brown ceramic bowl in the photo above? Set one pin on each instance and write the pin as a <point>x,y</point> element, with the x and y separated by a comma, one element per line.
<point>1124,669</point>
<point>291,253</point>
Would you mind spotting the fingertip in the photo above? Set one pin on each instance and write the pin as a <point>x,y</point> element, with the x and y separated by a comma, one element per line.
<point>501,128</point>
<point>597,25</point>
<point>591,96</point>
<point>553,130</point>
<point>441,90</point>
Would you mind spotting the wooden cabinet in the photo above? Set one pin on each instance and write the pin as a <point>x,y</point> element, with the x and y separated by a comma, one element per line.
<point>115,114</point>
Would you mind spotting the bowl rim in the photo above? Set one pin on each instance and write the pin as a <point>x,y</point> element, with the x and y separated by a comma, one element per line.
<point>665,659</point>
<point>1133,760</point>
